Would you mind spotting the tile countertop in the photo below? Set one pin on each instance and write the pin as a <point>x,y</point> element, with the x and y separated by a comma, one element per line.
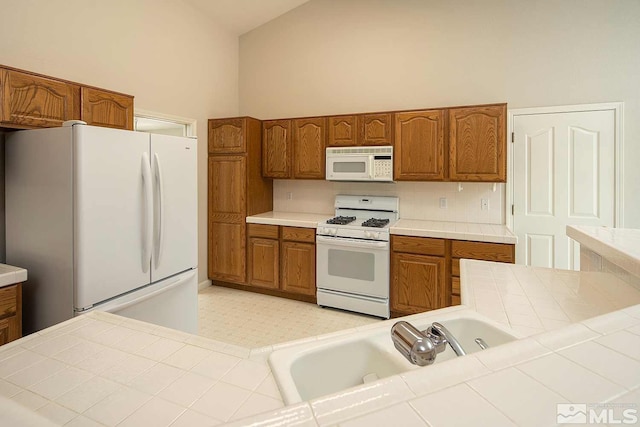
<point>493,233</point>
<point>620,245</point>
<point>10,275</point>
<point>102,368</point>
<point>290,219</point>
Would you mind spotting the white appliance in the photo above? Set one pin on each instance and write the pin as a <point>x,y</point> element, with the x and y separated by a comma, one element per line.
<point>360,164</point>
<point>352,255</point>
<point>103,219</point>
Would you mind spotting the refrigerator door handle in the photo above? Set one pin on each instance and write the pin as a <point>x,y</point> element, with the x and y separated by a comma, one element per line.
<point>147,225</point>
<point>158,235</point>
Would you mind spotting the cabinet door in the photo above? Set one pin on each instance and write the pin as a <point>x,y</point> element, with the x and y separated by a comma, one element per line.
<point>276,148</point>
<point>35,101</point>
<point>227,252</point>
<point>264,262</point>
<point>226,136</point>
<point>299,268</point>
<point>375,129</point>
<point>309,137</point>
<point>343,131</point>
<point>477,143</point>
<point>419,146</point>
<point>418,283</point>
<point>108,109</point>
<point>227,184</point>
<point>227,228</point>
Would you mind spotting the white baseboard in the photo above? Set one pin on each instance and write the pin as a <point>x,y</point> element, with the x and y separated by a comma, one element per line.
<point>204,284</point>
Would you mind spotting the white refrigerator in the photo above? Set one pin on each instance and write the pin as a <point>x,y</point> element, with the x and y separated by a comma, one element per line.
<point>103,219</point>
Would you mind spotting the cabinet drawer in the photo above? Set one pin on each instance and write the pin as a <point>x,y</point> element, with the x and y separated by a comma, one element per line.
<point>455,286</point>
<point>299,234</point>
<point>418,245</point>
<point>484,251</point>
<point>455,267</point>
<point>263,230</point>
<point>8,301</point>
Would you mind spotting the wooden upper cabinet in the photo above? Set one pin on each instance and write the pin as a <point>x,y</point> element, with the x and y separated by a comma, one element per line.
<point>375,129</point>
<point>29,100</point>
<point>309,136</point>
<point>477,143</point>
<point>361,129</point>
<point>227,136</point>
<point>419,146</point>
<point>106,108</point>
<point>276,148</point>
<point>343,131</point>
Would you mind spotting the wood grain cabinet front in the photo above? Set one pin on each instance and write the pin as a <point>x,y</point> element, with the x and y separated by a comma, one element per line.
<point>10,313</point>
<point>34,101</point>
<point>227,136</point>
<point>105,108</point>
<point>276,149</point>
<point>282,259</point>
<point>236,189</point>
<point>477,143</point>
<point>309,140</point>
<point>419,148</point>
<point>418,274</point>
<point>360,130</point>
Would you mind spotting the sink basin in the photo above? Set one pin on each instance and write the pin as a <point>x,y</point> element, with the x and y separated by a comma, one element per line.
<point>314,369</point>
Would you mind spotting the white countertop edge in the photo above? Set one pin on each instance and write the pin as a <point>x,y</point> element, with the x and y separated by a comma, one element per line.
<point>614,254</point>
<point>283,222</point>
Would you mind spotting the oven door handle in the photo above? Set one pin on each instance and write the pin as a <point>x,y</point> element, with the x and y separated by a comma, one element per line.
<point>352,243</point>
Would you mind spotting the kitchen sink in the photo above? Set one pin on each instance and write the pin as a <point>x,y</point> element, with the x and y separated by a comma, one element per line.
<point>314,369</point>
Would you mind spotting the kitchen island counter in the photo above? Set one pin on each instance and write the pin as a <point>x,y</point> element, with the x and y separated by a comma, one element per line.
<point>105,368</point>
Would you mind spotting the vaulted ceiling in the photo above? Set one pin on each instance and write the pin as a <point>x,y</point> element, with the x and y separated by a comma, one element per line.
<point>241,16</point>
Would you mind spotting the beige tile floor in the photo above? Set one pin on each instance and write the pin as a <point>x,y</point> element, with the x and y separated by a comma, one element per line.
<point>254,320</point>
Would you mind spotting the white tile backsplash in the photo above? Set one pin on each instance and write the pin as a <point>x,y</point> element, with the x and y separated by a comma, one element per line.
<point>418,200</point>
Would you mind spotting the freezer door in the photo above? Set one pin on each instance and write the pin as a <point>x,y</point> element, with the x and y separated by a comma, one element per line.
<point>112,213</point>
<point>175,233</point>
<point>172,303</point>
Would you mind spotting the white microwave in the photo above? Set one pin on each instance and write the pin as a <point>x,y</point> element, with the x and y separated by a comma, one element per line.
<point>360,164</point>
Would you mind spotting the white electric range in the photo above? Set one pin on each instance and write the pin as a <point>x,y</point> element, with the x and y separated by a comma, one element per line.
<point>352,254</point>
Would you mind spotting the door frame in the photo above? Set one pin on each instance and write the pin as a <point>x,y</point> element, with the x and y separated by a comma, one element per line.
<point>616,107</point>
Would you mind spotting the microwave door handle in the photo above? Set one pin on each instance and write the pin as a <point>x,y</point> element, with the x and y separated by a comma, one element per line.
<point>371,162</point>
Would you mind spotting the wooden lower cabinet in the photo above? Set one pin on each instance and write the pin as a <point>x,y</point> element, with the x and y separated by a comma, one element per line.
<point>282,259</point>
<point>299,268</point>
<point>227,252</point>
<point>419,283</point>
<point>10,313</point>
<point>425,272</point>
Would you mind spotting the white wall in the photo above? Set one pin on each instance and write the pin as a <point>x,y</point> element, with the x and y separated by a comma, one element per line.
<point>338,56</point>
<point>165,53</point>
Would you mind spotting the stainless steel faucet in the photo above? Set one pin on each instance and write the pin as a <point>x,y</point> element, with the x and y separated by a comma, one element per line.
<point>422,347</point>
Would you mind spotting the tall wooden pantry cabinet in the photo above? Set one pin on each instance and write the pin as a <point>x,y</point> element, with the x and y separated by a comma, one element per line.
<point>236,190</point>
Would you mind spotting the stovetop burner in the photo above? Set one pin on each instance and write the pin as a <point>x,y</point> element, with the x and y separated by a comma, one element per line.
<point>341,220</point>
<point>375,222</point>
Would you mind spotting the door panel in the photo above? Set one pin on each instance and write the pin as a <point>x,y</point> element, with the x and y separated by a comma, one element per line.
<point>173,165</point>
<point>109,213</point>
<point>563,175</point>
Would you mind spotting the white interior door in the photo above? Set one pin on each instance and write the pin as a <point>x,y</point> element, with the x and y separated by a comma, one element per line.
<point>564,174</point>
<point>174,169</point>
